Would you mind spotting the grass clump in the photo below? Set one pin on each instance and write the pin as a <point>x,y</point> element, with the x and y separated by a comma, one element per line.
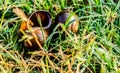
<point>94,49</point>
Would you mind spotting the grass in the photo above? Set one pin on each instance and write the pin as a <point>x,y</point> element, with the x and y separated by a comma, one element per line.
<point>94,49</point>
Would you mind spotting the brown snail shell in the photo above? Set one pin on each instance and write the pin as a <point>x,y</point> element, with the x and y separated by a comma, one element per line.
<point>35,28</point>
<point>44,17</point>
<point>41,37</point>
<point>45,20</point>
<point>63,16</point>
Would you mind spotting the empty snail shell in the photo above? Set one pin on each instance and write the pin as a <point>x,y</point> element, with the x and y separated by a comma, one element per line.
<point>41,16</point>
<point>42,35</point>
<point>63,16</point>
<point>38,18</point>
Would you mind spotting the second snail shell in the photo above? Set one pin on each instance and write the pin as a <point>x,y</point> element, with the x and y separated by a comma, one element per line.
<point>63,16</point>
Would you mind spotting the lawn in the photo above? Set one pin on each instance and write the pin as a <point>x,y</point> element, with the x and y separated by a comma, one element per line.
<point>94,48</point>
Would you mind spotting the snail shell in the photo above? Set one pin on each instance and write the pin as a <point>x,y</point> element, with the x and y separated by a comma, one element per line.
<point>41,37</point>
<point>35,18</point>
<point>63,16</point>
<point>44,16</point>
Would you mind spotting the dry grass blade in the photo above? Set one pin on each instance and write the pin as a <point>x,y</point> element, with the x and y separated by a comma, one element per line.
<point>25,21</point>
<point>3,70</point>
<point>52,64</point>
<point>37,41</point>
<point>61,53</point>
<point>20,13</point>
<point>78,68</point>
<point>70,68</point>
